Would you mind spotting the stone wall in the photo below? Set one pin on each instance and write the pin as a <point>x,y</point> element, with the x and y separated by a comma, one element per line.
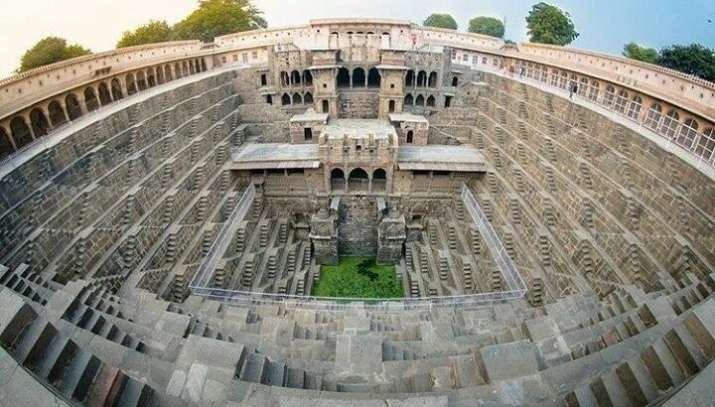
<point>358,104</point>
<point>357,226</point>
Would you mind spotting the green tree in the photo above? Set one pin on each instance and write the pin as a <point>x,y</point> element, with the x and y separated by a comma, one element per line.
<point>151,32</point>
<point>218,17</point>
<point>693,59</point>
<point>49,50</point>
<point>548,24</point>
<point>635,51</point>
<point>440,21</point>
<point>487,26</point>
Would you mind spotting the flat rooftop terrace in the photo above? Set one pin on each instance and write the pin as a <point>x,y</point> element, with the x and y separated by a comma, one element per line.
<point>258,156</point>
<point>440,158</point>
<point>359,129</point>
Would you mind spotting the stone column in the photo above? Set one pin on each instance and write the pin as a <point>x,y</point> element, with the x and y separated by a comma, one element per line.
<point>324,236</point>
<point>28,123</point>
<point>391,236</point>
<point>63,105</point>
<point>8,132</point>
<point>82,104</point>
<point>109,90</point>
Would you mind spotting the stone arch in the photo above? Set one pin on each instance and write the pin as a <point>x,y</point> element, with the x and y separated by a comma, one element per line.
<point>634,109</point>
<point>325,106</point>
<point>422,79</point>
<point>410,78</point>
<point>203,65</point>
<point>295,78</point>
<point>379,180</point>
<point>5,144</point>
<point>358,77</point>
<point>297,99</point>
<point>74,110</point>
<point>337,180</point>
<point>307,78</point>
<point>167,73</point>
<point>131,84</point>
<point>373,78</point>
<point>583,86</point>
<point>141,80</point>
<point>430,101</point>
<point>409,100</point>
<point>285,78</point>
<point>150,80</point>
<point>670,124</point>
<point>178,70</point>
<point>192,68</point>
<point>116,89</point>
<point>343,78</point>
<point>652,119</point>
<point>706,144</point>
<point>621,101</point>
<point>20,131</point>
<point>308,98</point>
<point>420,100</point>
<point>90,99</point>
<point>455,81</point>
<point>594,90</point>
<point>432,80</point>
<point>285,99</point>
<point>688,132</point>
<point>358,180</point>
<point>39,122</point>
<point>104,97</point>
<point>57,113</point>
<point>391,106</point>
<point>610,95</point>
<point>409,138</point>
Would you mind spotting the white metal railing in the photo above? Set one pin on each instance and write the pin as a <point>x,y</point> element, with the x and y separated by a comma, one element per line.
<point>313,302</point>
<point>700,144</point>
<point>509,273</point>
<point>202,278</point>
<point>200,285</point>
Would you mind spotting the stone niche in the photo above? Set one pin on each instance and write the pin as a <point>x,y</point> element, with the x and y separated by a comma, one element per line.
<point>306,128</point>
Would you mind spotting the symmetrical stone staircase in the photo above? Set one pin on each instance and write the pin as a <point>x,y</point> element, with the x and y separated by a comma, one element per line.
<point>628,348</point>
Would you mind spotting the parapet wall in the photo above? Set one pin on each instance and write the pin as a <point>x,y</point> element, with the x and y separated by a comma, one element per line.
<point>35,103</point>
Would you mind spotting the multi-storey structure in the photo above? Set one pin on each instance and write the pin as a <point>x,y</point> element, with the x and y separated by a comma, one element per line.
<point>165,209</point>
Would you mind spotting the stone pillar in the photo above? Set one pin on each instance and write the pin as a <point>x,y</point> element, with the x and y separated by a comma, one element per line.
<point>82,104</point>
<point>63,105</point>
<point>28,123</point>
<point>8,131</point>
<point>109,90</point>
<point>391,235</point>
<point>324,236</point>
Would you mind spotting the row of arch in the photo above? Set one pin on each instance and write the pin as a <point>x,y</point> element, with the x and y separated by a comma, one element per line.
<point>22,129</point>
<point>297,99</point>
<point>296,78</point>
<point>358,78</point>
<point>358,180</point>
<point>422,79</point>
<point>419,100</point>
<point>667,121</point>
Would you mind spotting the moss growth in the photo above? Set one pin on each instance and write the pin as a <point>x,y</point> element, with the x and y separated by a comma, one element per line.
<point>358,277</point>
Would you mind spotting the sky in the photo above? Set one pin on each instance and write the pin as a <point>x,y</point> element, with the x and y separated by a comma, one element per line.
<point>604,25</point>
